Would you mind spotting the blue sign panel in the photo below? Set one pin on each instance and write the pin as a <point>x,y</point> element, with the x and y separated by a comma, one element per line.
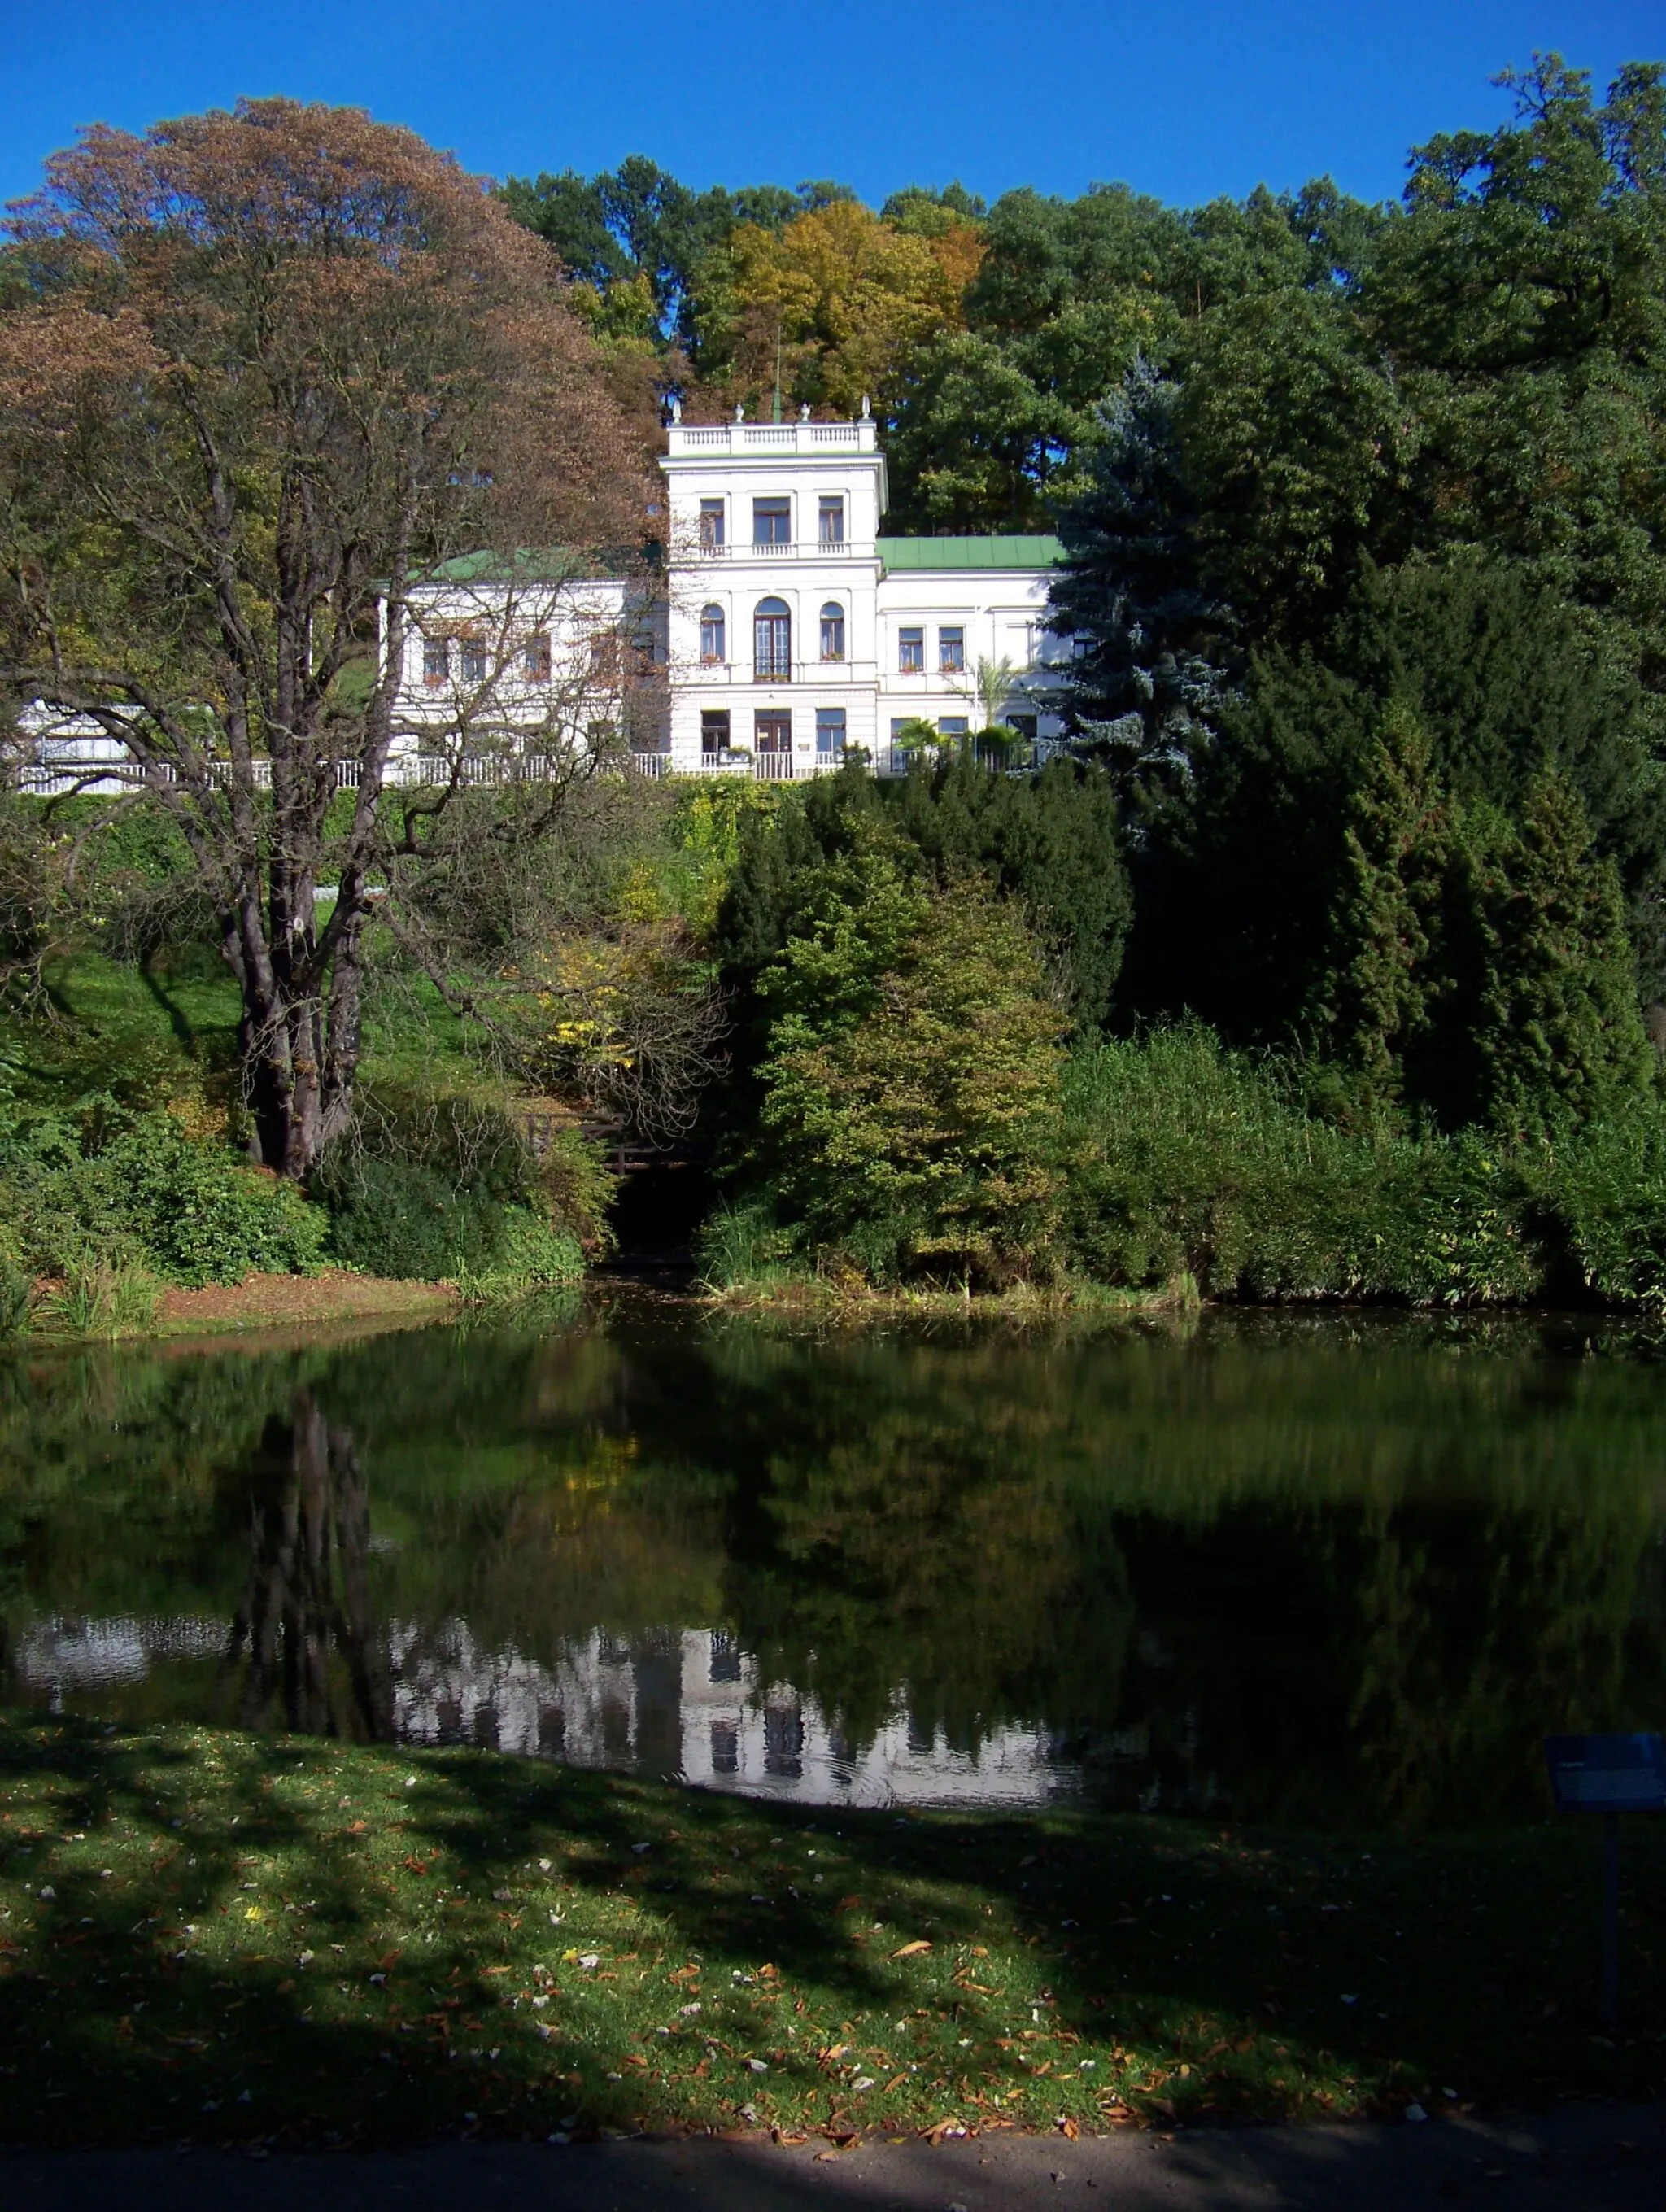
<point>1607,1774</point>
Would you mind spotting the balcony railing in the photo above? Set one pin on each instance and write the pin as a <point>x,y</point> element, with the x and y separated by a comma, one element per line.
<point>836,672</point>
<point>859,437</point>
<point>807,549</point>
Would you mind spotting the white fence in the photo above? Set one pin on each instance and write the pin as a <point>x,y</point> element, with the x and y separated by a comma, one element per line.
<point>107,773</point>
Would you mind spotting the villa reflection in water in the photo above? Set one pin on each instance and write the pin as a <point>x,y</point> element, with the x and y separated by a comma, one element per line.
<point>1316,1571</point>
<point>684,1703</point>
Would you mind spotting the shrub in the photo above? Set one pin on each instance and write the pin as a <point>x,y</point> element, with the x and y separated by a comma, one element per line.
<point>107,1188</point>
<point>744,1244</point>
<point>1189,1158</point>
<point>532,1255</point>
<point>911,1083</point>
<point>97,1300</point>
<point>436,1186</point>
<point>16,1290</point>
<point>400,1218</point>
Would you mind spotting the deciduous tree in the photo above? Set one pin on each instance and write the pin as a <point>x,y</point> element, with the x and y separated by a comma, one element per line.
<point>276,365</point>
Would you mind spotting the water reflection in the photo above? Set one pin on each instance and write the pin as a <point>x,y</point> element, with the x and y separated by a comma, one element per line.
<point>305,1651</point>
<point>1306,1570</point>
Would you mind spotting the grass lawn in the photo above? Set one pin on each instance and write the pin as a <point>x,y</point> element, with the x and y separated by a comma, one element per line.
<point>224,1937</point>
<point>155,1036</point>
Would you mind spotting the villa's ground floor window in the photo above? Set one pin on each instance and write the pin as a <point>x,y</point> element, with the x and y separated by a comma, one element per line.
<point>829,731</point>
<point>715,731</point>
<point>773,732</point>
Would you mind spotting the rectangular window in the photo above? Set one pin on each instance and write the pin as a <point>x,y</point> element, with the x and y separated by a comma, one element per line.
<point>829,731</point>
<point>911,652</point>
<point>474,661</point>
<point>535,660</point>
<point>953,725</point>
<point>773,732</point>
<point>715,731</point>
<point>436,660</point>
<point>772,521</point>
<point>831,516</point>
<point>898,724</point>
<point>950,651</point>
<point>711,525</point>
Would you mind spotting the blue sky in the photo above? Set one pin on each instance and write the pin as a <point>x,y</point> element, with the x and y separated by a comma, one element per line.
<point>1182,98</point>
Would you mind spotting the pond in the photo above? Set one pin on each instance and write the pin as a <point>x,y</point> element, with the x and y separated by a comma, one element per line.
<point>1311,1569</point>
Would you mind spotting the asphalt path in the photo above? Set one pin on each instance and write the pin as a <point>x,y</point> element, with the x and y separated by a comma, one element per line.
<point>1576,2158</point>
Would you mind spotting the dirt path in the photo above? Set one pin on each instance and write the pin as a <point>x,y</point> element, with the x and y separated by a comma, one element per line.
<point>298,1301</point>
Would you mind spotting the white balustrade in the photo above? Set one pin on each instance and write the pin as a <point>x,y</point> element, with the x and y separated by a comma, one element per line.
<point>771,438</point>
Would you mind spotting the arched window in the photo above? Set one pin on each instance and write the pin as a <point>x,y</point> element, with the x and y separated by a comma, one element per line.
<point>713,645</point>
<point>832,631</point>
<point>772,642</point>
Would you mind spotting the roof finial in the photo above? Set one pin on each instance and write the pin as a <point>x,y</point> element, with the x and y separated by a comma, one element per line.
<point>803,412</point>
<point>739,412</point>
<point>868,412</point>
<point>676,410</point>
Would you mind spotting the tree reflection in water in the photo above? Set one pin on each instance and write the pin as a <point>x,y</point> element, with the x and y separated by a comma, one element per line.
<point>305,1651</point>
<point>1325,1571</point>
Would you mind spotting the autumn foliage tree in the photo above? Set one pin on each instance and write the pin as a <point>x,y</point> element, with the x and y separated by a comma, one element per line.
<point>268,368</point>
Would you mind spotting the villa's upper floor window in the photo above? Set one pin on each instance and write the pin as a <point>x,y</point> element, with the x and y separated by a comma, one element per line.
<point>475,661</point>
<point>772,522</point>
<point>950,651</point>
<point>911,652</point>
<point>535,658</point>
<point>436,660</point>
<point>830,518</point>
<point>713,642</point>
<point>711,525</point>
<point>832,631</point>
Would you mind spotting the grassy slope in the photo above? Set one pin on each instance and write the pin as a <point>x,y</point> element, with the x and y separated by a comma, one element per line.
<point>291,1940</point>
<point>156,1038</point>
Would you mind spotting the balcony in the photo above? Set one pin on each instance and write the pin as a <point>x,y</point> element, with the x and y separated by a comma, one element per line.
<point>839,674</point>
<point>741,439</point>
<point>804,549</point>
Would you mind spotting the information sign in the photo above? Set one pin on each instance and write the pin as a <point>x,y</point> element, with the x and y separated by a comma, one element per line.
<point>1607,1774</point>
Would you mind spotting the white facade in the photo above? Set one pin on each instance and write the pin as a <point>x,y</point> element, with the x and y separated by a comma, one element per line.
<point>790,630</point>
<point>795,629</point>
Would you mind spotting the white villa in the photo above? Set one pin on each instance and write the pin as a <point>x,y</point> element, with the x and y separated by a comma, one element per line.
<point>787,631</point>
<point>795,630</point>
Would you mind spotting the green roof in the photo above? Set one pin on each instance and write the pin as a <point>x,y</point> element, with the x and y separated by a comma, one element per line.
<point>526,565</point>
<point>970,552</point>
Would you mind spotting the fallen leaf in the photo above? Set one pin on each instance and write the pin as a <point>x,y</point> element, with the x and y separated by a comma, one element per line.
<point>911,1950</point>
